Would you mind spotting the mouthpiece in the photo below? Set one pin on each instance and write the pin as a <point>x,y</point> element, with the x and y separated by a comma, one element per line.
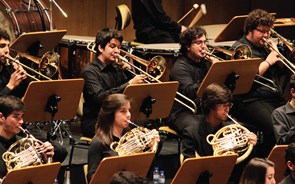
<point>130,122</point>
<point>121,57</point>
<point>204,52</point>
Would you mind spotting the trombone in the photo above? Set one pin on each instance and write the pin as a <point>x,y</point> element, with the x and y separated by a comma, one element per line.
<point>28,68</point>
<point>288,44</point>
<point>242,51</point>
<point>193,108</point>
<point>281,57</point>
<point>156,68</point>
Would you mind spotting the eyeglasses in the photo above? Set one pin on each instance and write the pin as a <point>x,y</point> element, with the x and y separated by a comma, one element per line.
<point>225,105</point>
<point>3,45</point>
<point>200,42</point>
<point>263,31</point>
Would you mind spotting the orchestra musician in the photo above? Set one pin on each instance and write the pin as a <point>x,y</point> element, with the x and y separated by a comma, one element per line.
<point>255,107</point>
<point>13,81</point>
<point>189,70</point>
<point>103,77</point>
<point>112,123</point>
<point>290,161</point>
<point>259,170</point>
<point>283,118</point>
<point>216,103</point>
<point>11,118</point>
<point>152,24</point>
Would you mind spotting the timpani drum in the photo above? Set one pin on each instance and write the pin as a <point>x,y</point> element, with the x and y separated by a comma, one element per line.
<point>170,51</point>
<point>74,55</point>
<point>16,19</point>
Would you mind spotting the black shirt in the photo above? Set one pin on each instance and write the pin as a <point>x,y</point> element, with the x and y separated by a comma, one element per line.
<point>19,91</point>
<point>4,146</point>
<point>96,152</point>
<point>151,23</point>
<point>195,138</point>
<point>101,80</point>
<point>190,75</point>
<point>259,91</point>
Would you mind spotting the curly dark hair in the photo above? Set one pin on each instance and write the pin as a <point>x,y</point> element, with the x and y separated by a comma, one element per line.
<point>104,36</point>
<point>187,37</point>
<point>258,17</point>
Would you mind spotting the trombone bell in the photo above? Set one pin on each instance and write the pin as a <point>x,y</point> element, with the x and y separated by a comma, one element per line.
<point>156,67</point>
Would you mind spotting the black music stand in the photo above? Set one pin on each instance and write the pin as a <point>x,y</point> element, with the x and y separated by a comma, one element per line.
<point>208,169</point>
<point>52,100</point>
<point>151,101</point>
<point>44,174</point>
<point>37,43</point>
<point>138,163</point>
<point>237,75</point>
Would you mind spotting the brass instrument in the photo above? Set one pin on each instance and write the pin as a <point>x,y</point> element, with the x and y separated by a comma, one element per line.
<point>193,109</point>
<point>231,139</point>
<point>242,51</point>
<point>47,64</point>
<point>28,68</point>
<point>281,57</point>
<point>288,44</point>
<point>25,152</point>
<point>136,140</point>
<point>155,67</point>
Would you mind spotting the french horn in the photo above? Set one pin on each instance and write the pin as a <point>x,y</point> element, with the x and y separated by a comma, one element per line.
<point>25,152</point>
<point>231,139</point>
<point>136,140</point>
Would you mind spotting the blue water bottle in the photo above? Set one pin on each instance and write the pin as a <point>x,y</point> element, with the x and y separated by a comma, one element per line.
<point>156,175</point>
<point>162,177</point>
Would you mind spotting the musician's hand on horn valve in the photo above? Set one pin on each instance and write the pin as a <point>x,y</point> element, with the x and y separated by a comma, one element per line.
<point>252,138</point>
<point>48,150</point>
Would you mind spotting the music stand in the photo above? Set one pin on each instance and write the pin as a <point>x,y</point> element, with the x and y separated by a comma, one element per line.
<point>37,43</point>
<point>52,99</point>
<point>237,75</point>
<point>234,29</point>
<point>207,169</point>
<point>44,174</point>
<point>277,155</point>
<point>153,100</point>
<point>138,163</point>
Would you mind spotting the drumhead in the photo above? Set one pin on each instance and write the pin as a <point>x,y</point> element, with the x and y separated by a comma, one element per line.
<point>15,18</point>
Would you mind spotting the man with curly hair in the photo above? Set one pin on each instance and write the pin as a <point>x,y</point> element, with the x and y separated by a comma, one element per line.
<point>256,106</point>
